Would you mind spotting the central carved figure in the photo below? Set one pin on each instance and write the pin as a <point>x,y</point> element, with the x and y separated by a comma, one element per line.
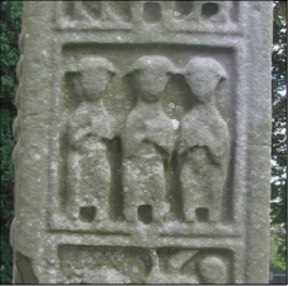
<point>148,141</point>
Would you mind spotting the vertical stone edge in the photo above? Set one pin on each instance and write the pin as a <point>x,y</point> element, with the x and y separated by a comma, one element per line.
<point>30,155</point>
<point>259,142</point>
<point>16,153</point>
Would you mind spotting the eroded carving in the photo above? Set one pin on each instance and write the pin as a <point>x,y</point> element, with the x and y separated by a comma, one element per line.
<point>167,269</point>
<point>161,181</point>
<point>120,10</point>
<point>171,15</point>
<point>112,264</point>
<point>193,266</point>
<point>148,141</point>
<point>88,264</point>
<point>204,144</point>
<point>138,173</point>
<point>213,268</point>
<point>203,11</point>
<point>89,129</point>
<point>92,11</point>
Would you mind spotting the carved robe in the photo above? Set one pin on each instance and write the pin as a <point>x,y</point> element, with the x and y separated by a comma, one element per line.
<point>149,140</point>
<point>204,149</point>
<point>89,172</point>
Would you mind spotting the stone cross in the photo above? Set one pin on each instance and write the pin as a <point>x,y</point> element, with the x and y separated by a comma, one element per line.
<point>143,142</point>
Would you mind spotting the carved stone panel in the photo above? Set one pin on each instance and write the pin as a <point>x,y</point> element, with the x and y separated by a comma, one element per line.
<point>144,146</point>
<point>136,125</point>
<point>106,264</point>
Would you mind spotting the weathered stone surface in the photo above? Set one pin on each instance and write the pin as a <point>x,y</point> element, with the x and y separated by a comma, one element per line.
<point>143,136</point>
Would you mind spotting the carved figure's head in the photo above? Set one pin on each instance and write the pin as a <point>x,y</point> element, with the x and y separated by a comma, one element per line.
<point>151,75</point>
<point>203,76</point>
<point>95,73</point>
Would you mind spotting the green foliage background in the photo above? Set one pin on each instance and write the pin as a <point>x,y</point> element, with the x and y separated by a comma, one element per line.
<point>10,12</point>
<point>10,24</point>
<point>279,139</point>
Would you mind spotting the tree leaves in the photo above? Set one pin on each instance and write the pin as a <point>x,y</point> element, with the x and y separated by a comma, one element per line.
<point>279,124</point>
<point>10,29</point>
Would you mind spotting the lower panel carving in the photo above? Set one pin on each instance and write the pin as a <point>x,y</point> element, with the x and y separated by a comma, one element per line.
<point>106,264</point>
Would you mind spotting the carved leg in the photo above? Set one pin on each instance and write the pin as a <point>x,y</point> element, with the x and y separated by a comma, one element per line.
<point>189,205</point>
<point>73,209</point>
<point>103,211</point>
<point>160,212</point>
<point>214,214</point>
<point>73,181</point>
<point>216,194</point>
<point>187,188</point>
<point>130,213</point>
<point>189,214</point>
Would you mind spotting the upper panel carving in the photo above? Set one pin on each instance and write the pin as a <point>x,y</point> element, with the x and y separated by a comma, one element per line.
<point>95,14</point>
<point>213,16</point>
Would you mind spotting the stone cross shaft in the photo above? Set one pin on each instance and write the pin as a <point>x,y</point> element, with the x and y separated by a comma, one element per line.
<point>143,142</point>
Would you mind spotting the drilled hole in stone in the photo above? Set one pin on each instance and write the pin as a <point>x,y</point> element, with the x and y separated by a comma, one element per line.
<point>210,9</point>
<point>145,214</point>
<point>88,214</point>
<point>152,12</point>
<point>202,214</point>
<point>183,8</point>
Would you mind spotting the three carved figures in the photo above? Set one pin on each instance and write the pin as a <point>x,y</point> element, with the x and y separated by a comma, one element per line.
<point>149,139</point>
